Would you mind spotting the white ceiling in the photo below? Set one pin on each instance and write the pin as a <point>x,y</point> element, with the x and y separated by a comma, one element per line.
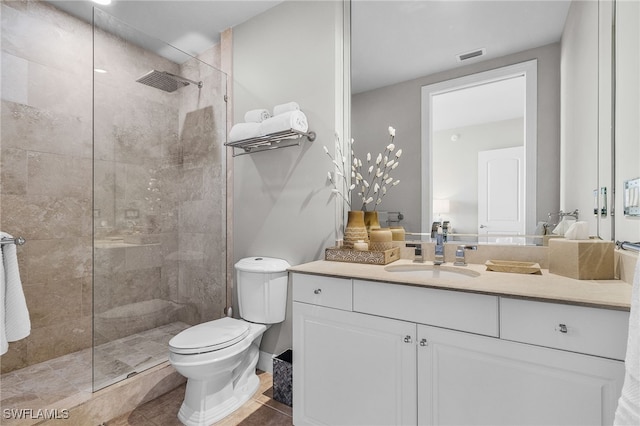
<point>395,41</point>
<point>484,103</point>
<point>191,26</point>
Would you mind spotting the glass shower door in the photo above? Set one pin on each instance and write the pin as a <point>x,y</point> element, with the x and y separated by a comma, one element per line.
<point>159,196</point>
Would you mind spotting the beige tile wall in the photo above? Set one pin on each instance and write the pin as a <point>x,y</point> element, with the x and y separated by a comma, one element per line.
<point>159,153</point>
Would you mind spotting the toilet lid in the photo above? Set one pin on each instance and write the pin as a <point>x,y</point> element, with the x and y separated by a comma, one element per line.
<point>209,336</point>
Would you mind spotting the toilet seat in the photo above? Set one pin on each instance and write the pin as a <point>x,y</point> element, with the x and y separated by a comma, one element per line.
<point>209,336</point>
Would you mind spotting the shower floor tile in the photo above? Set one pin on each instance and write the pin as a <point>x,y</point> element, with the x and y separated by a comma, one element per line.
<point>115,360</point>
<point>49,384</point>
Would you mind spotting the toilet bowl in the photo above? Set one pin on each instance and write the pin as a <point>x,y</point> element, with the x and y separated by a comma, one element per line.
<point>219,357</point>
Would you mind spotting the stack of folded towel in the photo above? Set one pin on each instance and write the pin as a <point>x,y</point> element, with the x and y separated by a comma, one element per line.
<point>259,122</point>
<point>14,316</point>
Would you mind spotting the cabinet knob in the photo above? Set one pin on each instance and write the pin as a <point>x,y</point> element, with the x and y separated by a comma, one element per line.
<point>562,328</point>
<point>424,342</point>
<point>407,339</point>
<point>317,291</point>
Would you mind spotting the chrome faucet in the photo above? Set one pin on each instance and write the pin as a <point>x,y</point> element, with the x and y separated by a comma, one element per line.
<point>439,257</point>
<point>418,256</point>
<point>460,260</point>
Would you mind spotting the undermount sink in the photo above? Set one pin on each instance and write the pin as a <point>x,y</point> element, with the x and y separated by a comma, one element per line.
<point>432,271</point>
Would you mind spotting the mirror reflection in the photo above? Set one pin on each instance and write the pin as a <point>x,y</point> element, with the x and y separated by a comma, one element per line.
<point>423,44</point>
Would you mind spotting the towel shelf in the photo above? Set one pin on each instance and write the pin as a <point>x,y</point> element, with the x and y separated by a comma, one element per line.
<point>17,241</point>
<point>283,139</point>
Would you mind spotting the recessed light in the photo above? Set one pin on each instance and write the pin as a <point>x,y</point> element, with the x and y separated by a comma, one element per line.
<point>101,71</point>
<point>102,2</point>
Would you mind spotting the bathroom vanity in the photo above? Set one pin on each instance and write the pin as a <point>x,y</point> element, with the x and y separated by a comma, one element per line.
<point>376,347</point>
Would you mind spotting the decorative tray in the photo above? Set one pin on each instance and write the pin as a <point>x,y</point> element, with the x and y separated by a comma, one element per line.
<point>340,254</point>
<point>513,266</point>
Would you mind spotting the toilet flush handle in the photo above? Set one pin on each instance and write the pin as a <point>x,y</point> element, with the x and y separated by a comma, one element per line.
<point>317,291</point>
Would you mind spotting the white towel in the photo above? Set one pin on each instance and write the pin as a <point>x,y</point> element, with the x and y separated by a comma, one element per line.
<point>242,131</point>
<point>628,411</point>
<point>256,116</point>
<point>14,318</point>
<point>295,120</point>
<point>283,108</point>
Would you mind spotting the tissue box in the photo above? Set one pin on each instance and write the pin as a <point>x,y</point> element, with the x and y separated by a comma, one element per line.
<point>581,259</point>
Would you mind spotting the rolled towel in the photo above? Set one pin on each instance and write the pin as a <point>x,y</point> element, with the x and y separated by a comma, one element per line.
<point>242,131</point>
<point>295,120</point>
<point>15,323</point>
<point>256,116</point>
<point>283,108</point>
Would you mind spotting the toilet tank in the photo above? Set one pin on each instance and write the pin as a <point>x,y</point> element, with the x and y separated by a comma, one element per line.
<point>262,289</point>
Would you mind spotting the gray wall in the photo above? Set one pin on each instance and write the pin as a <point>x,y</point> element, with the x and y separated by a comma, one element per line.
<point>399,106</point>
<point>282,202</point>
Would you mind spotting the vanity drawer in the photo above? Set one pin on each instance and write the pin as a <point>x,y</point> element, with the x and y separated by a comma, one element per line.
<point>324,291</point>
<point>593,331</point>
<point>474,313</point>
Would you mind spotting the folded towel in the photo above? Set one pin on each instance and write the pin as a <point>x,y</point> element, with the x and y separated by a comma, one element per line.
<point>577,231</point>
<point>14,320</point>
<point>628,410</point>
<point>242,131</point>
<point>283,108</point>
<point>256,116</point>
<point>295,120</point>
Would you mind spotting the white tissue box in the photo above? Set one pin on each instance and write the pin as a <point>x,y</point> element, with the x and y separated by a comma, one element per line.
<point>582,259</point>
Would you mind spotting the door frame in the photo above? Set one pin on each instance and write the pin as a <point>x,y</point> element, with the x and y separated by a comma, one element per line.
<point>529,70</point>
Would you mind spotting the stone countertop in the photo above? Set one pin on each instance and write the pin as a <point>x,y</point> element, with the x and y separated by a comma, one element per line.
<point>609,294</point>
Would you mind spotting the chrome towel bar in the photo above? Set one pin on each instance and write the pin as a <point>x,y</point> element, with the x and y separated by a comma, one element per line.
<point>17,241</point>
<point>626,245</point>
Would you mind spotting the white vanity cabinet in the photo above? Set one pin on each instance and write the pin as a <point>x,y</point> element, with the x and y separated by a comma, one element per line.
<point>399,354</point>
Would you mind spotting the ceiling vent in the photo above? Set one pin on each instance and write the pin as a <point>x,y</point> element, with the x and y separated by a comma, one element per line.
<point>470,55</point>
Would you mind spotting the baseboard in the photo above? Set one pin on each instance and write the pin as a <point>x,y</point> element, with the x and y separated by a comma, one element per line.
<point>265,362</point>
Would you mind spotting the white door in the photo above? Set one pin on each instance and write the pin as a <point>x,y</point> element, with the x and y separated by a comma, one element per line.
<point>467,379</point>
<point>501,195</point>
<point>352,369</point>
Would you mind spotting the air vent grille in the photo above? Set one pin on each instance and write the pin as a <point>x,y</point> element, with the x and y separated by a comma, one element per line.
<point>470,55</point>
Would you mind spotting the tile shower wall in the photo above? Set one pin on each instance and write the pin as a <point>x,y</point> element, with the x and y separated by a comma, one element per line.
<point>158,177</point>
<point>46,174</point>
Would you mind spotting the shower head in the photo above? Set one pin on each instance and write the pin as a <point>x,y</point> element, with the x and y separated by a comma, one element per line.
<point>166,81</point>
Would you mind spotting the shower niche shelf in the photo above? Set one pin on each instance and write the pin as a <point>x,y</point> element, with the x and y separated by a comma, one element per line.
<point>283,139</point>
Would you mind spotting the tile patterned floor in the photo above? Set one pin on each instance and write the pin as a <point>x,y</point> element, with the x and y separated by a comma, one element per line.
<point>260,410</point>
<point>49,383</point>
<point>58,382</point>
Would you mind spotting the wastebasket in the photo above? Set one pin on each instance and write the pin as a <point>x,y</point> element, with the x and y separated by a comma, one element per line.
<point>283,377</point>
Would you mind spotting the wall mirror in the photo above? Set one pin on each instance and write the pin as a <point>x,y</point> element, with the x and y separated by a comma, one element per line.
<point>399,48</point>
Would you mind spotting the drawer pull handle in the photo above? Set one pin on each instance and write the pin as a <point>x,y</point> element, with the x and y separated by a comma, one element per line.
<point>407,339</point>
<point>317,291</point>
<point>562,328</point>
<point>423,342</point>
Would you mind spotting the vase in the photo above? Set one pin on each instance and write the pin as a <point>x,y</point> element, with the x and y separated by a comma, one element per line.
<point>371,220</point>
<point>355,229</point>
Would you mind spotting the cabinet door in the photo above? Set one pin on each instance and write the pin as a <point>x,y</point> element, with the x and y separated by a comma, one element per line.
<point>352,369</point>
<point>476,380</point>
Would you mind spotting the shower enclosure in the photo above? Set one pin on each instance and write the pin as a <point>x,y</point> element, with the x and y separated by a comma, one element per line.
<point>159,219</point>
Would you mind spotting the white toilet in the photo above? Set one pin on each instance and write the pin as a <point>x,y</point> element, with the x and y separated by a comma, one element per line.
<point>219,357</point>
